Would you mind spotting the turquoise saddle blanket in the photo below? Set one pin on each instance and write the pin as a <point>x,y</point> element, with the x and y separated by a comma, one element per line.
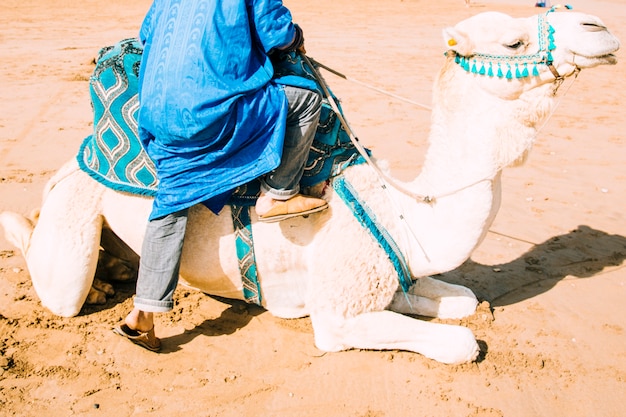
<point>114,156</point>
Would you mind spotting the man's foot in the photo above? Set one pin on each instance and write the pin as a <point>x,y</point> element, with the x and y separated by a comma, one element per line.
<point>141,321</point>
<point>269,210</point>
<point>146,340</point>
<point>138,327</point>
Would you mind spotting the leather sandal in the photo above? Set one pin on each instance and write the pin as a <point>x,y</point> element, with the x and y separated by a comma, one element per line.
<point>146,340</point>
<point>297,205</point>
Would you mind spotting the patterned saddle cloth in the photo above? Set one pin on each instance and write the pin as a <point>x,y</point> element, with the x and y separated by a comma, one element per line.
<point>114,156</point>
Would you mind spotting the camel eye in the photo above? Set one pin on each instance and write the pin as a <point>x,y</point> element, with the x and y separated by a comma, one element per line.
<point>593,27</point>
<point>515,45</point>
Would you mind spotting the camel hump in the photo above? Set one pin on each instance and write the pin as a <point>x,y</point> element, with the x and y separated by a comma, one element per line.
<point>65,171</point>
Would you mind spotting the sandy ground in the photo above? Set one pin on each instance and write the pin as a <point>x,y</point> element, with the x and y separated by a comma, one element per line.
<point>551,266</point>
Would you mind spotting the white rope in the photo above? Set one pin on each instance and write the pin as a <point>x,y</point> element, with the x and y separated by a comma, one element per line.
<point>382,178</point>
<point>361,83</point>
<point>558,102</point>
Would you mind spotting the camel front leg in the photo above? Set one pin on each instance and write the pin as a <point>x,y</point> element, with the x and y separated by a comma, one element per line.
<point>382,330</point>
<point>430,297</point>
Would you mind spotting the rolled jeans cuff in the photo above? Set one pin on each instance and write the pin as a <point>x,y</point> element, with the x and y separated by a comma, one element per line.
<point>278,194</point>
<point>153,306</point>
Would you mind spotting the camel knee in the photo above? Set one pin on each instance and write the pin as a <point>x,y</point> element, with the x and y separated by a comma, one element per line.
<point>451,307</point>
<point>328,332</point>
<point>457,307</point>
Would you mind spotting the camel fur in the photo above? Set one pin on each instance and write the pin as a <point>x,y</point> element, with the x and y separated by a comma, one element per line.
<point>327,266</point>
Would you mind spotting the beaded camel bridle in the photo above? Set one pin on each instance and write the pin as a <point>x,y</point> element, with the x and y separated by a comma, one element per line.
<point>515,66</point>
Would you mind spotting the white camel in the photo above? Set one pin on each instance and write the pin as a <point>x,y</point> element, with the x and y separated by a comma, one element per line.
<point>328,266</point>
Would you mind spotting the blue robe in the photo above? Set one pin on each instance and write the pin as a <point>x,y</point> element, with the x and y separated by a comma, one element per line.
<point>210,116</point>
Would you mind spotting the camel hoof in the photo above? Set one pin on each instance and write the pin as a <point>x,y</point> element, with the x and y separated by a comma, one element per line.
<point>122,272</point>
<point>457,307</point>
<point>453,345</point>
<point>104,287</point>
<point>96,297</point>
<point>113,268</point>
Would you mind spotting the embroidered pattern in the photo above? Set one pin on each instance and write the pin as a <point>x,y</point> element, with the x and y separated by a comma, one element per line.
<point>245,254</point>
<point>368,220</point>
<point>113,154</point>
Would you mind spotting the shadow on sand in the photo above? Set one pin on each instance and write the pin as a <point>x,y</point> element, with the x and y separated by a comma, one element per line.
<point>581,253</point>
<point>235,317</point>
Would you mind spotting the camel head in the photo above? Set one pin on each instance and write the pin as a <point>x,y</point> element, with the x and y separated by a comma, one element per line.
<point>526,52</point>
<point>509,70</point>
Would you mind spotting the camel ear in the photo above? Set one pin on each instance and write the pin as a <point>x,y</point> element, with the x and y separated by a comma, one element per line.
<point>457,41</point>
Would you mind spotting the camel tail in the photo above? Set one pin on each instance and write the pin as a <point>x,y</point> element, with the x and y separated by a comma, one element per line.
<point>17,230</point>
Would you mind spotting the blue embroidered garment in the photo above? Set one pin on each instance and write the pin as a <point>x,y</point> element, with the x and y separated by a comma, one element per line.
<point>210,117</point>
<point>114,156</point>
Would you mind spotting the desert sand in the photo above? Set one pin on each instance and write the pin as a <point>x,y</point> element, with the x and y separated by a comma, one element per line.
<point>551,270</point>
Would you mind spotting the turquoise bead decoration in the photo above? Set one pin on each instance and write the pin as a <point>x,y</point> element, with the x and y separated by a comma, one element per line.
<point>482,64</point>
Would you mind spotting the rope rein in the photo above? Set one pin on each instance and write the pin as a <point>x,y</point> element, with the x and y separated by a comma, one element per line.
<point>355,141</point>
<point>371,87</point>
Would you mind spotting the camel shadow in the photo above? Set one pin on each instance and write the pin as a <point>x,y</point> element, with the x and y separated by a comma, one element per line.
<point>582,253</point>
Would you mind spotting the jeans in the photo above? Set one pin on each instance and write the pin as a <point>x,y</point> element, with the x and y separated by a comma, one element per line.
<point>304,114</point>
<point>163,242</point>
<point>160,262</point>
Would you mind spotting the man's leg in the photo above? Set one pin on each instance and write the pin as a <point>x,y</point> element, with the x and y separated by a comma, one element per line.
<point>160,262</point>
<point>159,267</point>
<point>302,120</point>
<point>280,188</point>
